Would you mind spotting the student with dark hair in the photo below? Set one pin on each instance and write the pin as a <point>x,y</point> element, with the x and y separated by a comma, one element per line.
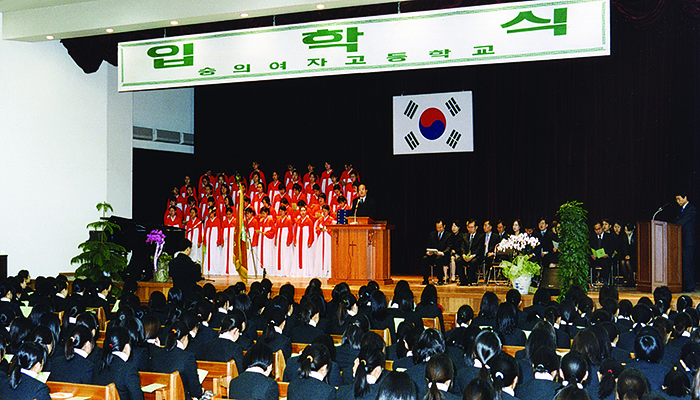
<point>486,346</point>
<point>540,301</point>
<point>114,368</point>
<point>313,368</point>
<point>586,343</point>
<point>545,364</point>
<point>541,337</point>
<point>225,347</point>
<point>4,364</point>
<point>504,375</point>
<point>641,316</point>
<point>574,370</point>
<point>624,316</point>
<point>139,352</point>
<point>572,393</point>
<point>689,361</point>
<point>397,386</point>
<point>513,297</point>
<point>368,369</point>
<point>608,373</point>
<point>648,351</point>
<point>430,343</point>
<point>631,385</point>
<point>308,330</point>
<point>273,337</point>
<point>254,383</point>
<point>174,357</point>
<point>379,318</point>
<point>345,308</point>
<point>439,373</point>
<point>676,384</point>
<point>89,320</point>
<point>428,306</point>
<point>506,326</point>
<point>22,384</point>
<point>479,389</point>
<point>73,365</point>
<point>662,300</point>
<point>349,348</point>
<point>487,310</point>
<point>333,375</point>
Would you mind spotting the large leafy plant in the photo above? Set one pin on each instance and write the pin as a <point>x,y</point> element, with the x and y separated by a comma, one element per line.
<point>100,257</point>
<point>574,249</point>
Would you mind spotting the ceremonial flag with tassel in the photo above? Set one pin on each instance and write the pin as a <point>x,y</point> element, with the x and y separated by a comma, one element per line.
<point>241,245</point>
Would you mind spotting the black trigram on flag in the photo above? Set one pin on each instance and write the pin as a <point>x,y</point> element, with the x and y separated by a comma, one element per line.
<point>411,109</point>
<point>411,140</point>
<point>453,139</point>
<point>453,106</point>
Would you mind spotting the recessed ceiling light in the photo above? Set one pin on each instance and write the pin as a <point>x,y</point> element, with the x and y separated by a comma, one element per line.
<point>173,22</point>
<point>109,30</point>
<point>244,15</point>
<point>320,6</point>
<point>49,37</point>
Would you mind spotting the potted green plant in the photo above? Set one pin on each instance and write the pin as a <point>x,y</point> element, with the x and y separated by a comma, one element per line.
<point>100,258</point>
<point>521,270</point>
<point>574,248</point>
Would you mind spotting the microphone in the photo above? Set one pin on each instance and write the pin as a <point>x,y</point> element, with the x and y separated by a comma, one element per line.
<point>660,209</point>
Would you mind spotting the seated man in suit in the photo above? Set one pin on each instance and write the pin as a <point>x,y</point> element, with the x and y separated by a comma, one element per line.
<point>605,241</point>
<point>491,239</point>
<point>473,255</point>
<point>438,251</point>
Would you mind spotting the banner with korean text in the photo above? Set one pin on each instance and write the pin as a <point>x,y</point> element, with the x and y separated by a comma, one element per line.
<point>433,123</point>
<point>512,32</point>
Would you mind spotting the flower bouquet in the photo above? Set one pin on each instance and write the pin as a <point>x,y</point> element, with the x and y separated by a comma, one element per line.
<point>160,260</point>
<point>521,270</point>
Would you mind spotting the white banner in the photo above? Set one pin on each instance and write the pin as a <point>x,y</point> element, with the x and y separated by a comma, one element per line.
<point>433,123</point>
<point>499,33</point>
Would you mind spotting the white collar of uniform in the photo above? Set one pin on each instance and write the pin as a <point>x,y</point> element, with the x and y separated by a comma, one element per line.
<point>180,345</point>
<point>316,375</point>
<point>278,329</point>
<point>685,334</point>
<point>477,363</point>
<point>463,325</point>
<point>5,299</point>
<point>257,370</point>
<point>409,353</point>
<point>61,295</point>
<point>509,390</point>
<point>29,372</point>
<point>312,323</point>
<point>81,353</point>
<point>544,376</point>
<point>100,295</point>
<point>371,379</point>
<point>205,323</point>
<point>556,326</point>
<point>121,355</point>
<point>227,337</point>
<point>443,387</point>
<point>665,316</point>
<point>151,341</point>
<point>619,317</point>
<point>223,310</point>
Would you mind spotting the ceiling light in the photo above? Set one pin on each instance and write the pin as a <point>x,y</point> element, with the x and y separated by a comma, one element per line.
<point>320,6</point>
<point>109,30</point>
<point>244,15</point>
<point>173,22</point>
<point>49,37</point>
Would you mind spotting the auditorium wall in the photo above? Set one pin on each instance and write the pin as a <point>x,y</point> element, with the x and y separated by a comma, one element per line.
<point>65,145</point>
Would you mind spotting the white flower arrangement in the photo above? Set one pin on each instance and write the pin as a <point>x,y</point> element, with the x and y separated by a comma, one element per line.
<point>518,243</point>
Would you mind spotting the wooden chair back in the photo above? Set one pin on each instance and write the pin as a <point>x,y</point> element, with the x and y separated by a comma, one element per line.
<point>278,365</point>
<point>337,339</point>
<point>219,375</point>
<point>385,334</point>
<point>431,323</point>
<point>297,348</point>
<point>450,320</point>
<point>283,386</point>
<point>94,392</point>
<point>389,364</point>
<point>173,389</point>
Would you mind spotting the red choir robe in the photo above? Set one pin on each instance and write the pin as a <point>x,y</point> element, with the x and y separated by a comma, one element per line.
<point>306,178</point>
<point>195,233</point>
<point>173,221</point>
<point>229,229</point>
<point>325,180</point>
<point>200,187</point>
<point>252,231</point>
<point>267,242</point>
<point>213,238</point>
<point>262,178</point>
<point>284,240</point>
<point>322,244</point>
<point>303,240</point>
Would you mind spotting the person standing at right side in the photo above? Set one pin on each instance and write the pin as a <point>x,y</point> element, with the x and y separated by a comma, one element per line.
<point>686,219</point>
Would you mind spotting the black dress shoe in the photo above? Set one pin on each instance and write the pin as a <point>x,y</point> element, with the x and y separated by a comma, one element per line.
<point>424,283</point>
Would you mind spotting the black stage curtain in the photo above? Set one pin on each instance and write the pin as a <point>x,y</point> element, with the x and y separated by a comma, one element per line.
<point>617,133</point>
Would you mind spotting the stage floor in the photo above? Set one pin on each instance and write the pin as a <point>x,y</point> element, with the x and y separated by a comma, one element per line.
<point>450,296</point>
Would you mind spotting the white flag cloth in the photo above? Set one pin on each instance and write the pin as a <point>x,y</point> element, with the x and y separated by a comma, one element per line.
<point>433,123</point>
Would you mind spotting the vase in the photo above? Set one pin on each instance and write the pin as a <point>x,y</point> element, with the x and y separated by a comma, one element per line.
<point>522,284</point>
<point>161,274</point>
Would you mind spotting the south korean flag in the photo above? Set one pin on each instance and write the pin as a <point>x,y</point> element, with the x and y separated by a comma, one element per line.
<point>433,123</point>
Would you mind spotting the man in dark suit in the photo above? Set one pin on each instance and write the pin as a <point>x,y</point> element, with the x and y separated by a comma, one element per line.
<point>491,239</point>
<point>546,247</point>
<point>605,241</point>
<point>473,254</point>
<point>438,251</point>
<point>363,206</point>
<point>185,272</point>
<point>686,219</point>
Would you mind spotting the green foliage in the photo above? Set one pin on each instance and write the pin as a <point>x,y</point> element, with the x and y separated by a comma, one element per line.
<point>520,266</point>
<point>574,249</point>
<point>100,256</point>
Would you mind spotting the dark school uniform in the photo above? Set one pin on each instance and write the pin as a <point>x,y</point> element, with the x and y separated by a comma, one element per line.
<point>253,386</point>
<point>124,376</point>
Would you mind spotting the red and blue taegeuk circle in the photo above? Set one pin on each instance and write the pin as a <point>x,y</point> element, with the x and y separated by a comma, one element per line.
<point>432,123</point>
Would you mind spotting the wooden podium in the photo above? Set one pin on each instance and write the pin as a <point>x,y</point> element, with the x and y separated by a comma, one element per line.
<point>658,256</point>
<point>360,252</point>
